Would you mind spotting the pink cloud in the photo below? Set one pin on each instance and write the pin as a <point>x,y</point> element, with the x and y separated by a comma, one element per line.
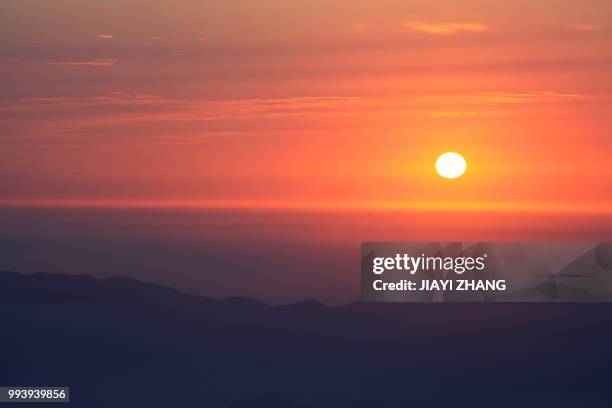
<point>445,28</point>
<point>106,36</point>
<point>583,27</point>
<point>101,62</point>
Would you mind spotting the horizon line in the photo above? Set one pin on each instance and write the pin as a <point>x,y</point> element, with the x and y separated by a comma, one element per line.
<point>423,206</point>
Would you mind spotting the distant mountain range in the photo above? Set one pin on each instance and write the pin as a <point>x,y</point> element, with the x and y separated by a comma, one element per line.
<point>123,343</point>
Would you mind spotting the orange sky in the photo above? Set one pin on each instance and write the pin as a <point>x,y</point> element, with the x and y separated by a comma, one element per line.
<point>307,103</point>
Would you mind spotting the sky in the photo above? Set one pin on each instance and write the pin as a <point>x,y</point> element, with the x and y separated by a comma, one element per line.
<point>128,129</point>
<point>307,103</point>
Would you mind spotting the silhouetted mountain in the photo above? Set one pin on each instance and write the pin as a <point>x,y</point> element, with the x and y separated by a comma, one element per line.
<point>41,286</point>
<point>122,343</point>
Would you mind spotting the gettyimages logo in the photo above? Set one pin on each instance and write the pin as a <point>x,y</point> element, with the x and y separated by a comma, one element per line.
<point>414,264</point>
<point>485,271</point>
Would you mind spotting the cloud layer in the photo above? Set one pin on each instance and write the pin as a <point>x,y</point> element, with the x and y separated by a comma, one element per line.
<point>444,28</point>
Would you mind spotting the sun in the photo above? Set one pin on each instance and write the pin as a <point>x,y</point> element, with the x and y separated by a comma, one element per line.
<point>451,165</point>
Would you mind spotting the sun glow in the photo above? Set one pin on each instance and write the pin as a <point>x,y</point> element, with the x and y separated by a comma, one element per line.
<point>451,165</point>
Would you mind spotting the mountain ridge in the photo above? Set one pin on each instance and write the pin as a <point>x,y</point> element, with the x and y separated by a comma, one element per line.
<point>122,343</point>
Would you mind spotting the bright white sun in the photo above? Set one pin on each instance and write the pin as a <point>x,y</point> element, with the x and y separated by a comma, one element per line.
<point>451,165</point>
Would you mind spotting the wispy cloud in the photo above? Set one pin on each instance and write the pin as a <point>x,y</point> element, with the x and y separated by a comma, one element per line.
<point>126,117</point>
<point>106,36</point>
<point>444,28</point>
<point>583,27</point>
<point>499,98</point>
<point>470,114</point>
<point>101,62</point>
<point>32,42</point>
<point>362,25</point>
<point>273,107</point>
